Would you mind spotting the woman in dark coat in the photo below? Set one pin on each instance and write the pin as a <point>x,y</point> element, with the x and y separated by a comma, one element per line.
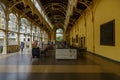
<point>22,46</point>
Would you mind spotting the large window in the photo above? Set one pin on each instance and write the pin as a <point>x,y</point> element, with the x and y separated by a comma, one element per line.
<point>33,33</point>
<point>38,32</point>
<point>12,29</point>
<point>13,25</point>
<point>25,25</point>
<point>1,40</point>
<point>12,38</point>
<point>2,26</point>
<point>107,33</point>
<point>2,18</point>
<point>25,30</point>
<point>59,34</point>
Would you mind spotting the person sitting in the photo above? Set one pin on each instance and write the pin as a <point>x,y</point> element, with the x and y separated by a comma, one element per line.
<point>35,49</point>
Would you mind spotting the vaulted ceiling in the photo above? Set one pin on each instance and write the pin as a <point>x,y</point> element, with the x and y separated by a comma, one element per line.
<point>56,11</point>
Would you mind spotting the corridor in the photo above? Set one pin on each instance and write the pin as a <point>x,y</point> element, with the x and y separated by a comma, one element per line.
<point>20,66</point>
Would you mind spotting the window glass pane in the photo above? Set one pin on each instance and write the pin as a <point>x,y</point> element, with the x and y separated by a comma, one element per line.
<point>1,40</point>
<point>28,30</point>
<point>22,29</point>
<point>12,38</point>
<point>59,31</point>
<point>33,30</point>
<point>22,38</point>
<point>37,31</point>
<point>24,24</point>
<point>2,18</point>
<point>12,24</point>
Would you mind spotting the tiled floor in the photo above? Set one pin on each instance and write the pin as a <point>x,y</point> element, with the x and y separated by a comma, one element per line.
<point>17,66</point>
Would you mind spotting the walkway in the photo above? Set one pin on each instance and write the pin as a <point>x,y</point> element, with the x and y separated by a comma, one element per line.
<point>17,66</point>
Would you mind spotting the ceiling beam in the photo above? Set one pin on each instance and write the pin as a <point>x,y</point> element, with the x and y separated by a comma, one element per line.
<point>71,5</point>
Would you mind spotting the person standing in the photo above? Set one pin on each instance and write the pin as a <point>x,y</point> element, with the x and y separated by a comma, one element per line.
<point>22,46</point>
<point>35,50</point>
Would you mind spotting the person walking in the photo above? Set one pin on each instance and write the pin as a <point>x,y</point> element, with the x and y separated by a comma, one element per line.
<point>22,46</point>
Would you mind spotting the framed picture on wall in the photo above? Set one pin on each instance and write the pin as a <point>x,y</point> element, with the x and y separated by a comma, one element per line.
<point>107,33</point>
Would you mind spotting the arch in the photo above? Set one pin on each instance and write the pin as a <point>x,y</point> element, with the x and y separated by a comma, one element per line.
<point>85,5</point>
<point>24,30</point>
<point>24,24</point>
<point>18,3</point>
<point>92,23</point>
<point>12,23</point>
<point>2,6</point>
<point>14,4</point>
<point>57,16</point>
<point>26,11</point>
<point>59,34</point>
<point>59,25</point>
<point>25,21</point>
<point>12,29</point>
<point>50,5</point>
<point>56,11</point>
<point>2,26</point>
<point>62,8</point>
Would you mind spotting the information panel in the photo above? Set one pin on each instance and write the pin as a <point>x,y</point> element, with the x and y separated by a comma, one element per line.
<point>66,54</point>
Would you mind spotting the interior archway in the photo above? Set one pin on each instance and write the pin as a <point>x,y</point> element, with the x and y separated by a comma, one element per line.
<point>59,35</point>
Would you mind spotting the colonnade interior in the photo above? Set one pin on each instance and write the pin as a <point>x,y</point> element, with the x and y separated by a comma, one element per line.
<point>90,27</point>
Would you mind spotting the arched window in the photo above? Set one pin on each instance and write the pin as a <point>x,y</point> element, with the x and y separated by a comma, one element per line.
<point>2,18</point>
<point>59,34</point>
<point>2,26</point>
<point>12,38</point>
<point>12,29</point>
<point>13,24</point>
<point>24,28</point>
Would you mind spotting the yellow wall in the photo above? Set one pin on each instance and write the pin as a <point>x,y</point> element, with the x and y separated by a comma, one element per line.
<point>89,27</point>
<point>78,29</point>
<point>104,11</point>
<point>108,10</point>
